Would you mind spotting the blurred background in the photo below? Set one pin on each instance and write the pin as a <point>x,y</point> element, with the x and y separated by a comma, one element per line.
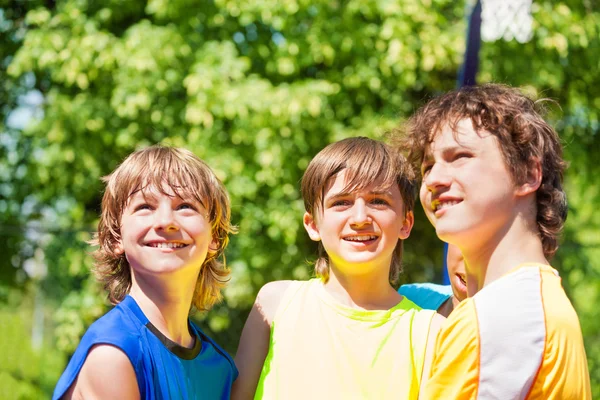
<point>256,88</point>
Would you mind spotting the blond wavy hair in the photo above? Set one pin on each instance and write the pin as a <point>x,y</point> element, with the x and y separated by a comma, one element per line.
<point>160,167</point>
<point>364,162</point>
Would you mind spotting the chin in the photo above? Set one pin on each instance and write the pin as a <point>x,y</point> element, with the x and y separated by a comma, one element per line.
<point>166,268</point>
<point>444,234</point>
<point>450,233</point>
<point>358,262</point>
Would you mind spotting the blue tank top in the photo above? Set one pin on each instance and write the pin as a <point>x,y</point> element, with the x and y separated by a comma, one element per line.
<point>164,370</point>
<point>428,296</point>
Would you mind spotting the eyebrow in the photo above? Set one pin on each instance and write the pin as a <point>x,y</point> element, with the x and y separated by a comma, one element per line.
<point>428,155</point>
<point>140,193</point>
<point>139,197</point>
<point>349,194</point>
<point>150,195</point>
<point>380,193</point>
<point>337,196</point>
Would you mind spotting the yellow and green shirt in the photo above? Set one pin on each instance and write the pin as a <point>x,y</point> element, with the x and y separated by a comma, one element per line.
<point>321,349</point>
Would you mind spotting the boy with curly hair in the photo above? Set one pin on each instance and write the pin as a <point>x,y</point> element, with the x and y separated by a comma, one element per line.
<point>492,172</point>
<point>165,222</point>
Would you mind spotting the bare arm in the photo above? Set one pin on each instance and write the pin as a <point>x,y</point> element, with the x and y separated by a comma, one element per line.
<point>434,328</point>
<point>254,342</point>
<point>106,373</point>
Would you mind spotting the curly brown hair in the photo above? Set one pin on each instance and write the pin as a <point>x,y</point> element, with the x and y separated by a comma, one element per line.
<point>158,167</point>
<point>364,161</point>
<point>523,135</point>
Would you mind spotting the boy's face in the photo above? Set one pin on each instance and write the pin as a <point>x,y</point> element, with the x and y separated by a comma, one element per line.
<point>467,191</point>
<point>162,234</point>
<point>359,230</point>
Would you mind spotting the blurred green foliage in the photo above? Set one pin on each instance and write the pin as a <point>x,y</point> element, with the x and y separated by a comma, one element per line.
<point>26,371</point>
<point>256,89</point>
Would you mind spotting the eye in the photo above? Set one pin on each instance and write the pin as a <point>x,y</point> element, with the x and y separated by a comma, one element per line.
<point>380,201</point>
<point>425,168</point>
<point>340,203</point>
<point>143,206</point>
<point>186,206</point>
<point>458,156</point>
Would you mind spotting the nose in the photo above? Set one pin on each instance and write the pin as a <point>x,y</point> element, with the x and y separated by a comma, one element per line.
<point>437,177</point>
<point>164,219</point>
<point>360,213</point>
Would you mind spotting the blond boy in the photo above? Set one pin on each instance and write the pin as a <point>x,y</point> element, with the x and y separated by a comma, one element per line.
<point>164,224</point>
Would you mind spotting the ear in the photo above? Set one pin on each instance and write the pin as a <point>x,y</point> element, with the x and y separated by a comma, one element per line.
<point>311,227</point>
<point>407,224</point>
<point>533,179</point>
<point>118,248</point>
<point>213,246</point>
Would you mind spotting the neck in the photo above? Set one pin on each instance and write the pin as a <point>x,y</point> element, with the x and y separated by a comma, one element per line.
<point>488,261</point>
<point>369,291</point>
<point>166,304</point>
<point>455,302</point>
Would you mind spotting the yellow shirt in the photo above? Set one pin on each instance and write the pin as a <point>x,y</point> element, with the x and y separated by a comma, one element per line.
<point>517,338</point>
<point>321,349</point>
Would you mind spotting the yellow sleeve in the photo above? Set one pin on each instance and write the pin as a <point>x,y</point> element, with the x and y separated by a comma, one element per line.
<point>455,368</point>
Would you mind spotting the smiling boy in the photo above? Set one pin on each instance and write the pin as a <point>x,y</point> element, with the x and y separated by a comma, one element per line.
<point>164,224</point>
<point>492,173</point>
<point>347,334</point>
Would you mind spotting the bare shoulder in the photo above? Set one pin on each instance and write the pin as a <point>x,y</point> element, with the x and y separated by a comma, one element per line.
<point>254,342</point>
<point>269,298</point>
<point>274,289</point>
<point>105,363</point>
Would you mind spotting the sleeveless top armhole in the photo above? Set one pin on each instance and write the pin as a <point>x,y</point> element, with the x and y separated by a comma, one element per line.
<point>204,337</point>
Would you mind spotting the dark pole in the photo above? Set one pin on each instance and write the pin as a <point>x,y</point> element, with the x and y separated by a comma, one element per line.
<point>468,72</point>
<point>467,76</point>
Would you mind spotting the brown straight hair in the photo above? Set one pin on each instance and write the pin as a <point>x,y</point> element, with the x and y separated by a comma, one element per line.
<point>365,161</point>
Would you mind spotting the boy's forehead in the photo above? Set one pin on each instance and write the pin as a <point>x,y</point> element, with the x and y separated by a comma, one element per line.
<point>343,183</point>
<point>451,135</point>
<point>150,189</point>
<point>144,189</point>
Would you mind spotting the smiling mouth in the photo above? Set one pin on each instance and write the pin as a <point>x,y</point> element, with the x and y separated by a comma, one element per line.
<point>462,280</point>
<point>438,205</point>
<point>361,238</point>
<point>459,286</point>
<point>165,245</point>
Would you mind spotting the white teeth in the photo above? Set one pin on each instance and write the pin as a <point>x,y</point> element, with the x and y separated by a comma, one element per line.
<point>361,238</point>
<point>445,204</point>
<point>169,245</point>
